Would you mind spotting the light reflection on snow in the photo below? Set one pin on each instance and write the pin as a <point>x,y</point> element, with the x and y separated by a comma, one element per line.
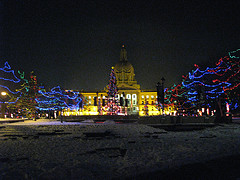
<point>48,122</point>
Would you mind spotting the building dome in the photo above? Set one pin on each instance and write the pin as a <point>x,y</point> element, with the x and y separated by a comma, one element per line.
<point>125,72</point>
<point>124,67</point>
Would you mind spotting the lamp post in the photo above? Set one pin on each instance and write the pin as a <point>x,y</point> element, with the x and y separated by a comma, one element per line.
<point>163,80</point>
<point>160,93</point>
<point>3,107</point>
<point>97,101</point>
<point>158,86</point>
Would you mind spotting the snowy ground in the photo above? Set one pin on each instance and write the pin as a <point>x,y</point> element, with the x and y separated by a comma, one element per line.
<point>47,149</point>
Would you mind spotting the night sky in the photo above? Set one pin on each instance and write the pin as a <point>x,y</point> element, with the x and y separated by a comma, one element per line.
<point>74,43</point>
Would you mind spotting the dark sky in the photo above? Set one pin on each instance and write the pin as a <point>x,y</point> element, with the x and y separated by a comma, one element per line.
<point>74,43</point>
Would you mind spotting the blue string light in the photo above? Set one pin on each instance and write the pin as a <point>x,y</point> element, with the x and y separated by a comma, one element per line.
<point>208,71</point>
<point>57,90</point>
<point>56,96</point>
<point>7,69</point>
<point>9,89</point>
<point>206,85</point>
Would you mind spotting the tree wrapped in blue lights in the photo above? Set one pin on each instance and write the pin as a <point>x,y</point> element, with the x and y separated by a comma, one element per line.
<point>58,99</point>
<point>202,87</point>
<point>210,87</point>
<point>8,84</point>
<point>48,102</point>
<point>27,97</point>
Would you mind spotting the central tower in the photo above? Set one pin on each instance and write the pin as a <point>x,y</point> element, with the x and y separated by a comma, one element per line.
<point>125,72</point>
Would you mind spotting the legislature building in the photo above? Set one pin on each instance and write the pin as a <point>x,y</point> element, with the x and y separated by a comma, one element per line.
<point>131,99</point>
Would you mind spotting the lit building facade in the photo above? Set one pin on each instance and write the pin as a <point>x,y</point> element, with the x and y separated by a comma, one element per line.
<point>131,99</point>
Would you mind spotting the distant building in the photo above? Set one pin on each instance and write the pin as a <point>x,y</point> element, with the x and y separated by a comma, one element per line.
<point>134,101</point>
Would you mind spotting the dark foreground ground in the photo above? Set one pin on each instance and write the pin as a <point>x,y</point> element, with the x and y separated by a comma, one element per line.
<point>221,168</point>
<point>47,149</point>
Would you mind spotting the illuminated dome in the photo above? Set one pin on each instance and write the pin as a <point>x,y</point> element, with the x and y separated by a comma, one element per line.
<point>124,66</point>
<point>125,72</point>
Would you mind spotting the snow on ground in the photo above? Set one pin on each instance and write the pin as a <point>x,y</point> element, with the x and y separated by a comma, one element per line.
<point>43,122</point>
<point>46,149</point>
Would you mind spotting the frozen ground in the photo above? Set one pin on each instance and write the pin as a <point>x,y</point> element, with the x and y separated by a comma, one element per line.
<point>45,149</point>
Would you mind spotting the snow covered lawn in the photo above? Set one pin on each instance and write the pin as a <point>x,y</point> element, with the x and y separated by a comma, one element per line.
<point>53,150</point>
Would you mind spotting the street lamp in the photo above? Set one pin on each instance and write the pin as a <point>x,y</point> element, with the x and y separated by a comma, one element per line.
<point>3,93</point>
<point>163,80</point>
<point>3,108</point>
<point>159,89</point>
<point>160,93</point>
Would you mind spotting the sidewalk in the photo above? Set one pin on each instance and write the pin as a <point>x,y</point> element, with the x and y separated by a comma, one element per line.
<point>12,120</point>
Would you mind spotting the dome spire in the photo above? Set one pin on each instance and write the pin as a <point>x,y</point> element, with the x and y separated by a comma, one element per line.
<point>123,54</point>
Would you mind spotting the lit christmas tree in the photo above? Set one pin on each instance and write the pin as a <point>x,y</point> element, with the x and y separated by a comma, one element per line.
<point>112,107</point>
<point>27,104</point>
<point>112,87</point>
<point>233,92</point>
<point>175,97</point>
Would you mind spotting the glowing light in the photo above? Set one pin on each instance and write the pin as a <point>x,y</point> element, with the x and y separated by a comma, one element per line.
<point>3,93</point>
<point>227,107</point>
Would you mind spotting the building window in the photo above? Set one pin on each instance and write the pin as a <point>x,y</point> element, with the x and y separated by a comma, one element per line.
<point>152,97</point>
<point>128,96</point>
<point>142,102</point>
<point>142,96</point>
<point>134,108</point>
<point>152,102</point>
<point>134,102</point>
<point>134,96</point>
<point>147,96</point>
<point>89,97</point>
